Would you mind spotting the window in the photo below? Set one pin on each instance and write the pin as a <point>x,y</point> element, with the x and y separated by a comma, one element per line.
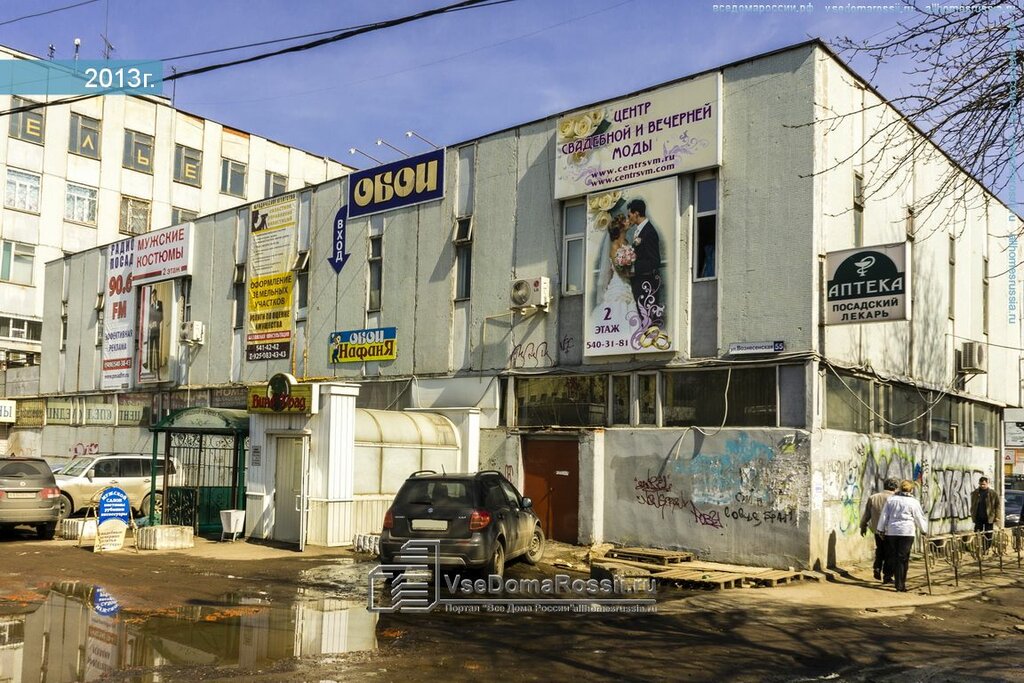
<point>463,269</point>
<point>22,191</point>
<point>698,398</point>
<point>301,284</point>
<point>239,292</point>
<point>467,171</point>
<point>647,398</point>
<point>138,151</point>
<point>179,216</point>
<point>99,326</point>
<point>620,399</point>
<point>911,223</point>
<point>464,222</point>
<point>569,401</point>
<point>706,243</point>
<point>376,262</point>
<point>64,329</point>
<point>574,228</point>
<point>232,177</point>
<point>847,402</point>
<point>134,216</point>
<point>274,183</point>
<point>85,136</point>
<point>984,296</point>
<point>19,328</point>
<point>16,261</point>
<point>908,405</point>
<point>80,204</point>
<point>985,426</point>
<point>188,165</point>
<point>952,276</point>
<point>858,209</point>
<point>29,126</point>
<point>947,419</point>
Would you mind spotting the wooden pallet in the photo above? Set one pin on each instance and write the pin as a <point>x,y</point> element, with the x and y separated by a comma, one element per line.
<point>776,577</point>
<point>703,578</point>
<point>654,556</point>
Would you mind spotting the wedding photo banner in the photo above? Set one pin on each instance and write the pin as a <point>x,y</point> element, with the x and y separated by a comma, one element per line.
<point>631,269</point>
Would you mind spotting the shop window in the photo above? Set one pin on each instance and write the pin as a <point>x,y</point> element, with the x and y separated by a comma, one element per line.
<point>647,399</point>
<point>908,412</point>
<point>620,399</point>
<point>84,137</point>
<point>947,419</point>
<point>22,191</point>
<point>706,240</point>
<point>578,401</point>
<point>985,426</point>
<point>574,228</point>
<point>698,398</point>
<point>847,402</point>
<point>188,165</point>
<point>792,396</point>
<point>138,151</point>
<point>29,125</point>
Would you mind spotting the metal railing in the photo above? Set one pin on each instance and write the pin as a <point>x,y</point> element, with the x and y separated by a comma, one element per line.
<point>968,548</point>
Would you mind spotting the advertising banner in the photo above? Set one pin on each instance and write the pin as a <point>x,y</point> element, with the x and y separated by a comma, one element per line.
<point>400,183</point>
<point>631,269</point>
<point>271,279</point>
<point>8,411</point>
<point>868,284</point>
<point>119,316</point>
<point>353,346</point>
<point>163,254</point>
<point>674,130</point>
<point>156,324</point>
<point>31,412</point>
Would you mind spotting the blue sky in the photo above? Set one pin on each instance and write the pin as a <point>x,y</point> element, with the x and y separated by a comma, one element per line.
<point>449,78</point>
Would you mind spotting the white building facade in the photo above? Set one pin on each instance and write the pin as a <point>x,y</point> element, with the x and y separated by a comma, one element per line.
<point>706,402</point>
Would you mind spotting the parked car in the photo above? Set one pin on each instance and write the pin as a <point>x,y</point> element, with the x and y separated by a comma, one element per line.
<point>1014,505</point>
<point>480,520</point>
<point>82,479</point>
<point>29,495</point>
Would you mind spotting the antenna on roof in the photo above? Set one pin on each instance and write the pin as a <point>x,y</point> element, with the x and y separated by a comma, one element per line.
<point>78,44</point>
<point>50,52</point>
<point>108,47</point>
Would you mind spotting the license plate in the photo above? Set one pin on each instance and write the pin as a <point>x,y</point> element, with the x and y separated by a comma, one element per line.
<point>430,524</point>
<point>21,494</point>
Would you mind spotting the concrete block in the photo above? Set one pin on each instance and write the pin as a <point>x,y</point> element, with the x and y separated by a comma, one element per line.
<point>165,537</point>
<point>78,528</point>
<point>611,570</point>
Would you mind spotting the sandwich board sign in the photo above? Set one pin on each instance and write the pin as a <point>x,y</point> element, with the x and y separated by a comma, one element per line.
<point>113,515</point>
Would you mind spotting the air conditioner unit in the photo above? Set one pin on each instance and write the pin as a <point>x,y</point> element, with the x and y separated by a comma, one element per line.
<point>193,332</point>
<point>530,292</point>
<point>974,357</point>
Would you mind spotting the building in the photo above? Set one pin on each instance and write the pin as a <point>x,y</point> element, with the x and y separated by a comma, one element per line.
<point>802,332</point>
<point>84,173</point>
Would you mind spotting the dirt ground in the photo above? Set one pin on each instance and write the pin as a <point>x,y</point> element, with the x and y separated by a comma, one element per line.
<point>848,631</point>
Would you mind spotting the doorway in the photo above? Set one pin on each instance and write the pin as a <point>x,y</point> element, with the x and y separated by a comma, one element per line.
<point>289,493</point>
<point>551,477</point>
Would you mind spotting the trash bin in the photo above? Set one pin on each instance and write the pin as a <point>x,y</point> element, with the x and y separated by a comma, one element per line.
<point>232,522</point>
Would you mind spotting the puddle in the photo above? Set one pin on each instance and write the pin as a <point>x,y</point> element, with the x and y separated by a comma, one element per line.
<point>79,632</point>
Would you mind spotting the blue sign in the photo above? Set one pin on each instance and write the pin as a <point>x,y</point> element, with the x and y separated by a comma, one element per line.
<point>338,255</point>
<point>103,603</point>
<point>401,183</point>
<point>85,77</point>
<point>114,504</point>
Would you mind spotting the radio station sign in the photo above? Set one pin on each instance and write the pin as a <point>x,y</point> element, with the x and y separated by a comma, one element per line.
<point>281,395</point>
<point>869,284</point>
<point>401,183</point>
<point>162,254</point>
<point>119,310</point>
<point>354,346</point>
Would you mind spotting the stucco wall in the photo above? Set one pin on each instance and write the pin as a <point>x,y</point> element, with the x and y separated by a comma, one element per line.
<point>738,496</point>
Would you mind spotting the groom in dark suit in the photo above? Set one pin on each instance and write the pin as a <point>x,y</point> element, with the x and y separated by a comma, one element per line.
<point>646,281</point>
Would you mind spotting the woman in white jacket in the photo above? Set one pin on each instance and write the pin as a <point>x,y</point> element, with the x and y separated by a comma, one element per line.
<point>901,514</point>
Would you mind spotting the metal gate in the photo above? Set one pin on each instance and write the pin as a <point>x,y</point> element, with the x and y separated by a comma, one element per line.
<point>204,464</point>
<point>209,476</point>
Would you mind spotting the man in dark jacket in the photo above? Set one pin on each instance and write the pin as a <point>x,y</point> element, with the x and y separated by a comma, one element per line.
<point>870,520</point>
<point>646,279</point>
<point>984,509</point>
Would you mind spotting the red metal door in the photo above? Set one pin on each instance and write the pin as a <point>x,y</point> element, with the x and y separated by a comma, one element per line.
<point>551,477</point>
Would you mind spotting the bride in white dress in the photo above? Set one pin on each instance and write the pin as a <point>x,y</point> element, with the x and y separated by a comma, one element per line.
<point>616,305</point>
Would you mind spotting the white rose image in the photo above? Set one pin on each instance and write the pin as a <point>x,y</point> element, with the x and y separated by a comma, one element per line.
<point>606,201</point>
<point>594,203</point>
<point>584,126</point>
<point>578,158</point>
<point>566,128</point>
<point>597,116</point>
<point>602,220</point>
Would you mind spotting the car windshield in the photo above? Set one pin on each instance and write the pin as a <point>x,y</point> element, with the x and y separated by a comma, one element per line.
<point>76,467</point>
<point>437,493</point>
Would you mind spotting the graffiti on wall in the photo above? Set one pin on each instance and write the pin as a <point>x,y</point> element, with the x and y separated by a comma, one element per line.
<point>656,491</point>
<point>82,448</point>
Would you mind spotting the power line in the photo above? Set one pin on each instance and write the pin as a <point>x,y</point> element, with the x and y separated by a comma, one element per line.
<point>49,11</point>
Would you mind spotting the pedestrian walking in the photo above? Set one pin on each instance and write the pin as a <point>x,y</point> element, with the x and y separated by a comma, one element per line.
<point>984,509</point>
<point>872,513</point>
<point>900,515</point>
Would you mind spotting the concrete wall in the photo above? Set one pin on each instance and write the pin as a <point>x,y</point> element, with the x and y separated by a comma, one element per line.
<point>848,468</point>
<point>738,496</point>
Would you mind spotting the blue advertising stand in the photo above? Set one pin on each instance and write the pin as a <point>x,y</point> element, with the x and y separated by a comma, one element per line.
<point>113,519</point>
<point>114,504</point>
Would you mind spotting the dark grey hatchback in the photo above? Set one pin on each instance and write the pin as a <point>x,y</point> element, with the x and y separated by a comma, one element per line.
<point>29,495</point>
<point>479,520</point>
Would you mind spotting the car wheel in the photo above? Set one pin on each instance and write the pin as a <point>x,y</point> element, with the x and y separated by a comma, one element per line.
<point>496,565</point>
<point>66,506</point>
<point>158,509</point>
<point>536,549</point>
<point>47,531</point>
